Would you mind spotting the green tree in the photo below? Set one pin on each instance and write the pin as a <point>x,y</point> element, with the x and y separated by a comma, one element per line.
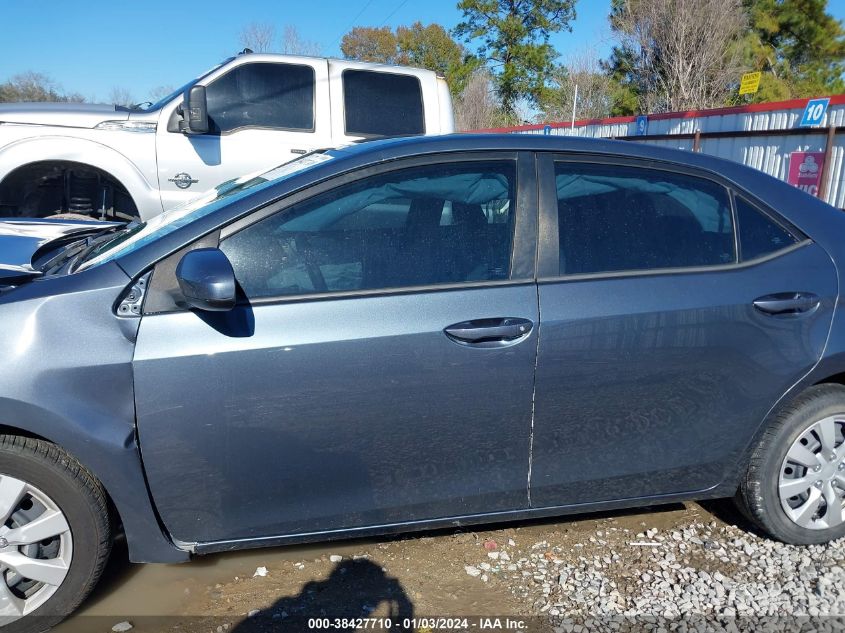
<point>370,44</point>
<point>432,47</point>
<point>621,72</point>
<point>514,36</point>
<point>417,45</point>
<point>799,47</point>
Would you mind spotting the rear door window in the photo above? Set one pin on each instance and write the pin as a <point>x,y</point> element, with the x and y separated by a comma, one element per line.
<point>382,104</point>
<point>618,218</point>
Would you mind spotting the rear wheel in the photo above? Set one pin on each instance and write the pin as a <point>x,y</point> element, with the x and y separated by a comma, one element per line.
<point>794,488</point>
<point>55,535</point>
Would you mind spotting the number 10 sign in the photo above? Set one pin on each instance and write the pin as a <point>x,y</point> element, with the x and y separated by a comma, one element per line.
<point>814,112</point>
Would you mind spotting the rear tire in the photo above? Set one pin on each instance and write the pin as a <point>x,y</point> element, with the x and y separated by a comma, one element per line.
<point>794,485</point>
<point>70,489</point>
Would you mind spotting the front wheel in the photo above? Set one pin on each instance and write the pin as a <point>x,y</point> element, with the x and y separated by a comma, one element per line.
<point>794,488</point>
<point>55,535</point>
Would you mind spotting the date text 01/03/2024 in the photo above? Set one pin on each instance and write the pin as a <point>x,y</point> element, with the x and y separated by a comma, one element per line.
<point>421,623</point>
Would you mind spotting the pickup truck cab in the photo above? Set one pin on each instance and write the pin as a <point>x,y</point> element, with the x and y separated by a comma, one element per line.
<point>248,114</point>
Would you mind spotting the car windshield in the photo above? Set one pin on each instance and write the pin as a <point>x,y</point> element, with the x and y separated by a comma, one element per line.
<point>138,234</point>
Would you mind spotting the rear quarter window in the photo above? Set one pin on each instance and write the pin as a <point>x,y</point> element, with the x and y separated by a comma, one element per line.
<point>759,235</point>
<point>382,104</point>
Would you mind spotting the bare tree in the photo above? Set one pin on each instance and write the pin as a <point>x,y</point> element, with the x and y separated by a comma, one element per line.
<point>121,96</point>
<point>31,86</point>
<point>477,107</point>
<point>260,37</point>
<point>595,96</point>
<point>294,44</point>
<point>160,91</point>
<point>685,54</point>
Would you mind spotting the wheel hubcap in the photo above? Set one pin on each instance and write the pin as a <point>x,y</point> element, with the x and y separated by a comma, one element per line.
<point>36,548</point>
<point>812,477</point>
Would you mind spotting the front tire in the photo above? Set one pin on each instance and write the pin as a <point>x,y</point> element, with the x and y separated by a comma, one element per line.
<point>795,483</point>
<point>55,534</point>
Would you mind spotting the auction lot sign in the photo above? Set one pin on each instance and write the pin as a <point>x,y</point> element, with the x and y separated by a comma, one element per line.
<point>805,171</point>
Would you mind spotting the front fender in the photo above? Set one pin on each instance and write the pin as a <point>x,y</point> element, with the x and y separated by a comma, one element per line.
<point>34,149</point>
<point>67,376</point>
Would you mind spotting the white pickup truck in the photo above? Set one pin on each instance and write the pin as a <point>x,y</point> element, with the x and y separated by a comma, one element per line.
<point>250,113</point>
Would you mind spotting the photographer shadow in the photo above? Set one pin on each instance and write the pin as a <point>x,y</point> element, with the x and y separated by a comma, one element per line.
<point>355,589</point>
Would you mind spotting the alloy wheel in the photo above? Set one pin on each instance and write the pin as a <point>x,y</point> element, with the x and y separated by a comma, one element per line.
<point>811,485</point>
<point>36,548</point>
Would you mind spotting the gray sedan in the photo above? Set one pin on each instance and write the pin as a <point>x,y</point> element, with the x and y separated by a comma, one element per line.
<point>410,334</point>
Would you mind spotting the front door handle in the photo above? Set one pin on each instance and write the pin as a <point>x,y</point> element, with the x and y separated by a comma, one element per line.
<point>489,332</point>
<point>787,303</point>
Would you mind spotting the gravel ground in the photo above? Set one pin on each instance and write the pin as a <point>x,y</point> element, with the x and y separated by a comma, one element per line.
<point>702,571</point>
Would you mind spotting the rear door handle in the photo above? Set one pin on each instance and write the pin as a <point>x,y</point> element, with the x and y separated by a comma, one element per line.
<point>787,303</point>
<point>489,332</point>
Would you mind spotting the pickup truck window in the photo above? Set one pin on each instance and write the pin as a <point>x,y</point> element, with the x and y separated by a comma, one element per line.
<point>263,95</point>
<point>382,104</point>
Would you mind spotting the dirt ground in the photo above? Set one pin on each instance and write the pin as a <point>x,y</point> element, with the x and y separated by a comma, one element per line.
<point>414,576</point>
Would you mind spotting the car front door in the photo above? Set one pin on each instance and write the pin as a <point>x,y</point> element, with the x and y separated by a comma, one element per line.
<point>261,114</point>
<point>662,348</point>
<point>379,370</point>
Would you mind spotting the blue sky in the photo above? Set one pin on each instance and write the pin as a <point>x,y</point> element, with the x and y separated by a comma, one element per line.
<point>91,46</point>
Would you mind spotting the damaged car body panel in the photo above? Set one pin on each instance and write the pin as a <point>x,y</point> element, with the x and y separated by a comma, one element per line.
<point>71,383</point>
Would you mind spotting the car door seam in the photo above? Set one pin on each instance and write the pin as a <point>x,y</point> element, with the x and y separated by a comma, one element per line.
<point>533,396</point>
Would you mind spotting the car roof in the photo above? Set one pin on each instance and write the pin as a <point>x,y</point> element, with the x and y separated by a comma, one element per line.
<point>416,145</point>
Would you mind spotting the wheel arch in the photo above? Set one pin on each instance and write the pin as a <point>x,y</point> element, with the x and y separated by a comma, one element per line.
<point>28,152</point>
<point>829,370</point>
<point>114,462</point>
<point>15,180</point>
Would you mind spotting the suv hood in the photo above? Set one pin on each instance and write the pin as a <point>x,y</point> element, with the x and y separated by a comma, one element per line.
<point>20,240</point>
<point>64,114</point>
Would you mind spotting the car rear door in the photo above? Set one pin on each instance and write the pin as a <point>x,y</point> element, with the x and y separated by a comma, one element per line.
<point>666,337</point>
<point>379,371</point>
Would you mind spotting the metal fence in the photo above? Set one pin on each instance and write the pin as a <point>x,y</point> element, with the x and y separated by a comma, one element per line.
<point>759,135</point>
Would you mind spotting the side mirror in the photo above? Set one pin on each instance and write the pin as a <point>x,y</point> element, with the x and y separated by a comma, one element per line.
<point>207,280</point>
<point>195,111</point>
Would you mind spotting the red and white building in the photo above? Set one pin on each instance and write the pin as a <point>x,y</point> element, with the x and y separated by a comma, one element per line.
<point>764,135</point>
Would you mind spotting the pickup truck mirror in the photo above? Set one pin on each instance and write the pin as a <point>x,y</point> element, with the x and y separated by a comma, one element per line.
<point>195,111</point>
<point>207,280</point>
